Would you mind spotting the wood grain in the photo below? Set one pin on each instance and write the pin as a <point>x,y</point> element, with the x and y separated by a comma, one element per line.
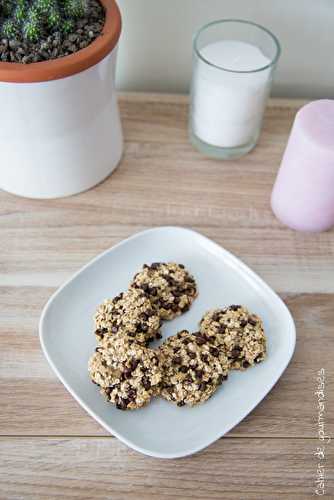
<point>162,180</point>
<point>105,469</point>
<point>49,447</point>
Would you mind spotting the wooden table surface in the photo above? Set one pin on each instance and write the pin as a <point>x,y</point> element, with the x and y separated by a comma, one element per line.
<point>49,446</point>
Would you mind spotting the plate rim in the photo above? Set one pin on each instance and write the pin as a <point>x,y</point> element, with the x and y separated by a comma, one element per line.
<point>236,260</point>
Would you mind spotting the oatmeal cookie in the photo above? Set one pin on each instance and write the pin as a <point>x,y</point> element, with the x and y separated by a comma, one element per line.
<point>169,286</point>
<point>192,370</point>
<point>128,373</point>
<point>237,333</point>
<point>130,312</point>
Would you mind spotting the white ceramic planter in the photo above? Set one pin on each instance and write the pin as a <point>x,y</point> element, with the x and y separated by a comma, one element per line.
<point>63,136</point>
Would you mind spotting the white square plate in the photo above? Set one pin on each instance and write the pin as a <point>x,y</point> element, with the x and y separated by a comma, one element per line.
<point>162,429</point>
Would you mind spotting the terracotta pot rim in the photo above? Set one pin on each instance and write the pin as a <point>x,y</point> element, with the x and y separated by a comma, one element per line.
<point>69,65</point>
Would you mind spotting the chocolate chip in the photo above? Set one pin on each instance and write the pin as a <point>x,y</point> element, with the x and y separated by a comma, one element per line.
<point>146,383</point>
<point>200,340</point>
<point>252,321</point>
<point>176,349</point>
<point>94,382</point>
<point>155,265</point>
<point>202,386</point>
<point>205,358</point>
<point>186,341</point>
<point>181,266</point>
<point>122,404</point>
<point>127,373</point>
<point>220,379</point>
<point>183,369</point>
<point>97,349</point>
<point>234,307</point>
<point>221,329</point>
<point>245,364</point>
<point>145,287</point>
<point>181,403</point>
<point>144,327</point>
<point>258,358</point>
<point>153,291</point>
<point>108,391</point>
<point>199,374</point>
<point>100,332</point>
<point>185,308</point>
<point>216,316</point>
<point>170,280</point>
<point>132,394</point>
<point>214,351</point>
<point>191,355</point>
<point>134,363</point>
<point>144,316</point>
<point>235,353</point>
<point>243,323</point>
<point>150,312</point>
<point>177,360</point>
<point>158,336</point>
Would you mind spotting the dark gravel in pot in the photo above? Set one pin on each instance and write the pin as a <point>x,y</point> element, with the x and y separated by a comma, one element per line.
<point>57,44</point>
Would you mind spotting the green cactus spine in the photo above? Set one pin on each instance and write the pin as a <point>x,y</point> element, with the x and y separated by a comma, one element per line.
<point>33,19</point>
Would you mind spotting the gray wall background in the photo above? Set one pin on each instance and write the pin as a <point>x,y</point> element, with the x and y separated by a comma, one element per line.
<point>155,48</point>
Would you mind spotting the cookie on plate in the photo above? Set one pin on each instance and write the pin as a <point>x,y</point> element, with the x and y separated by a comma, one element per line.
<point>169,286</point>
<point>130,312</point>
<point>237,333</point>
<point>128,373</point>
<point>191,368</point>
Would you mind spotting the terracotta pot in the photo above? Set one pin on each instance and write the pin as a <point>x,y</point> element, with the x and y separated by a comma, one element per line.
<point>61,132</point>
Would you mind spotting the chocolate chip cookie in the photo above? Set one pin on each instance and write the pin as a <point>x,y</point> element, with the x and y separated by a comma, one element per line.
<point>237,333</point>
<point>128,373</point>
<point>191,368</point>
<point>131,313</point>
<point>169,286</point>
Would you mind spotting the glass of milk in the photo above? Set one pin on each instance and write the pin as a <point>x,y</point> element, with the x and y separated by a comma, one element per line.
<point>233,65</point>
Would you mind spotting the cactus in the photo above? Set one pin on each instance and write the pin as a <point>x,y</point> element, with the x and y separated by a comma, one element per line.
<point>35,19</point>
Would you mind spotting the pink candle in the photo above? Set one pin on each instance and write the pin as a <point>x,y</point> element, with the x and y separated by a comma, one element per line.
<point>303,194</point>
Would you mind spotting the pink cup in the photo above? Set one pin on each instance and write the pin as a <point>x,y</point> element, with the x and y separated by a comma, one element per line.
<point>303,194</point>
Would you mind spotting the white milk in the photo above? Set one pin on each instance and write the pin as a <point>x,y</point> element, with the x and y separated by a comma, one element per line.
<point>227,106</point>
